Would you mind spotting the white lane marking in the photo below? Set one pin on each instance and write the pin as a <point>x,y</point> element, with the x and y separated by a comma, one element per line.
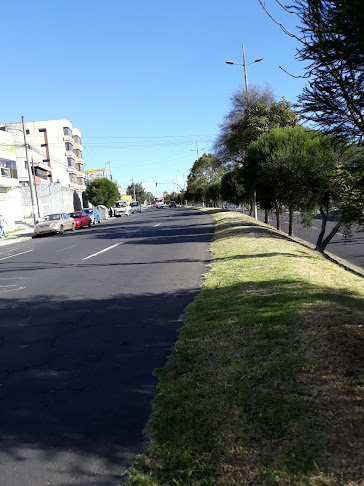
<point>13,278</point>
<point>5,286</point>
<point>11,256</point>
<point>68,247</point>
<point>156,225</point>
<point>11,290</point>
<point>181,317</point>
<point>103,251</point>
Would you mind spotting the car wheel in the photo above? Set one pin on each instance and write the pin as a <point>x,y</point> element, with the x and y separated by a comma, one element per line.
<point>94,221</point>
<point>61,230</point>
<point>99,221</point>
<point>81,225</point>
<point>73,227</point>
<point>89,225</point>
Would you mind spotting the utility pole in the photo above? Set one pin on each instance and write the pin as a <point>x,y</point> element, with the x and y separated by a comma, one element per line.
<point>198,157</point>
<point>133,189</point>
<point>35,187</point>
<point>29,172</point>
<point>247,94</point>
<point>110,170</point>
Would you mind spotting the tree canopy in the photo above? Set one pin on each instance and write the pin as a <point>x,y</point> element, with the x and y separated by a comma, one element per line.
<point>102,192</point>
<point>206,172</point>
<point>140,194</point>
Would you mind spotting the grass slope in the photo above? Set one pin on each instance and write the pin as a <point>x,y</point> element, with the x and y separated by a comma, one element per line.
<point>266,383</point>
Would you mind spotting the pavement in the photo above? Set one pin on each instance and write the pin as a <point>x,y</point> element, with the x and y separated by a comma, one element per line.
<point>21,235</point>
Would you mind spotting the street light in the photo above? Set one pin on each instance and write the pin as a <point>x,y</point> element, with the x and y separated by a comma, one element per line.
<point>246,89</point>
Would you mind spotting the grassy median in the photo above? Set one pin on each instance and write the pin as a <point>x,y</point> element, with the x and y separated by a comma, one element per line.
<point>265,385</point>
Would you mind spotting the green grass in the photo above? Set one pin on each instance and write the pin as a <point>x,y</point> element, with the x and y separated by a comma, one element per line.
<point>265,385</point>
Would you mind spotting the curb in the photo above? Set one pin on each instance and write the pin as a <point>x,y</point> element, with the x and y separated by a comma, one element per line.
<point>10,241</point>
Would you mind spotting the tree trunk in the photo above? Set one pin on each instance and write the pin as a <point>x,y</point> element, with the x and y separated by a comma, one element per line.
<point>321,247</point>
<point>251,208</point>
<point>266,216</point>
<point>278,218</point>
<point>324,217</point>
<point>290,225</point>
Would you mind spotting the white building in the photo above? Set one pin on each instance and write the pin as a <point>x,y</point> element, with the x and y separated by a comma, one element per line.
<point>8,173</point>
<point>54,150</point>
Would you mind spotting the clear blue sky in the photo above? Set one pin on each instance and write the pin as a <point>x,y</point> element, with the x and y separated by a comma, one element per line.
<point>142,80</point>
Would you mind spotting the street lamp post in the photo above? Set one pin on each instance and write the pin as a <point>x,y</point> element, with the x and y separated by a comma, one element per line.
<point>246,90</point>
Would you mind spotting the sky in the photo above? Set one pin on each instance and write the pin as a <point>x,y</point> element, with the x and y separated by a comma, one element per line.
<point>146,82</point>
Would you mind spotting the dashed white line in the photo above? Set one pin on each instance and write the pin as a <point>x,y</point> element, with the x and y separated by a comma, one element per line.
<point>11,290</point>
<point>103,251</point>
<point>11,256</point>
<point>68,247</point>
<point>156,225</point>
<point>181,317</point>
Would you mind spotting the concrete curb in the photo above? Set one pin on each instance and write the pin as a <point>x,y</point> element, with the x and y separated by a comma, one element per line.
<point>10,241</point>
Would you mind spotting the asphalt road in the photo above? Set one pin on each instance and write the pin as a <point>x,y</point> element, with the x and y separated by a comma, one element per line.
<point>351,249</point>
<point>85,318</point>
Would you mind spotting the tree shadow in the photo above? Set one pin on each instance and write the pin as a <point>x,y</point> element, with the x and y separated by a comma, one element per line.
<point>77,383</point>
<point>77,205</point>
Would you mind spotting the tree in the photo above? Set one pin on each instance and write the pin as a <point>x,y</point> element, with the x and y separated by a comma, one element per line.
<point>102,192</point>
<point>233,188</point>
<point>250,116</point>
<point>332,45</point>
<point>207,170</point>
<point>304,170</point>
<point>137,189</point>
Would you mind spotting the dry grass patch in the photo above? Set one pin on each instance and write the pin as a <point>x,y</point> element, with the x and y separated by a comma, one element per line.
<point>265,385</point>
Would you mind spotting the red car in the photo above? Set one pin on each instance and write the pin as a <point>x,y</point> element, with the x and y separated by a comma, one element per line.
<point>81,219</point>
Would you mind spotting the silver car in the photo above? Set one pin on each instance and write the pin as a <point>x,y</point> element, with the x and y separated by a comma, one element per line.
<point>54,223</point>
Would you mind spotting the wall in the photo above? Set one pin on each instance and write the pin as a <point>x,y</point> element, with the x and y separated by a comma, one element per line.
<point>16,205</point>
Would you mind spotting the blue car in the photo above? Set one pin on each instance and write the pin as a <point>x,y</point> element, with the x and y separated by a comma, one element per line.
<point>94,215</point>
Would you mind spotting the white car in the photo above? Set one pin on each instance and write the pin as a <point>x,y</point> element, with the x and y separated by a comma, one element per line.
<point>122,208</point>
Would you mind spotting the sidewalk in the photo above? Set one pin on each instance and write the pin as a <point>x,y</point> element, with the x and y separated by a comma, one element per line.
<point>21,235</point>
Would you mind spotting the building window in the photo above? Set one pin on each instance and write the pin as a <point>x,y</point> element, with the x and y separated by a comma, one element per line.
<point>77,139</point>
<point>71,163</point>
<point>67,132</point>
<point>46,160</point>
<point>27,132</point>
<point>73,178</point>
<point>69,147</point>
<point>42,130</point>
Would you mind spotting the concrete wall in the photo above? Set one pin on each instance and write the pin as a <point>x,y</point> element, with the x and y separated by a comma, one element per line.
<point>16,205</point>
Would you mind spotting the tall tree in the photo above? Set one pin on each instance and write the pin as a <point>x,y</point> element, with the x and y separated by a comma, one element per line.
<point>138,189</point>
<point>331,42</point>
<point>102,192</point>
<point>303,170</point>
<point>207,170</point>
<point>250,116</point>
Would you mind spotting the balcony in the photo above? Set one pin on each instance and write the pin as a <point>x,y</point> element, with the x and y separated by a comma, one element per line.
<point>68,139</point>
<point>70,155</point>
<point>72,169</point>
<point>77,146</point>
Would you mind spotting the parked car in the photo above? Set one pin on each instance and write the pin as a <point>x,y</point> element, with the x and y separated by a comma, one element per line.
<point>172,204</point>
<point>81,219</point>
<point>135,207</point>
<point>122,208</point>
<point>54,223</point>
<point>94,214</point>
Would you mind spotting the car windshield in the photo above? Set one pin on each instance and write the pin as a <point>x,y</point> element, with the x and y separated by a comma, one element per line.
<point>88,211</point>
<point>75,215</point>
<point>120,204</point>
<point>51,217</point>
<point>134,204</point>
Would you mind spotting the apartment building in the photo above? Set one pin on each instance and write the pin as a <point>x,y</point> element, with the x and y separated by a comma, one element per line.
<point>8,173</point>
<point>55,152</point>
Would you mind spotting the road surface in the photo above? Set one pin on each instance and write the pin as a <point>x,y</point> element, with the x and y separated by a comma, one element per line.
<point>85,318</point>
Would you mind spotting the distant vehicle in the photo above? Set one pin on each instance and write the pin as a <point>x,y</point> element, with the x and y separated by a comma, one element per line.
<point>172,204</point>
<point>94,214</point>
<point>135,207</point>
<point>81,219</point>
<point>159,202</point>
<point>122,208</point>
<point>54,223</point>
